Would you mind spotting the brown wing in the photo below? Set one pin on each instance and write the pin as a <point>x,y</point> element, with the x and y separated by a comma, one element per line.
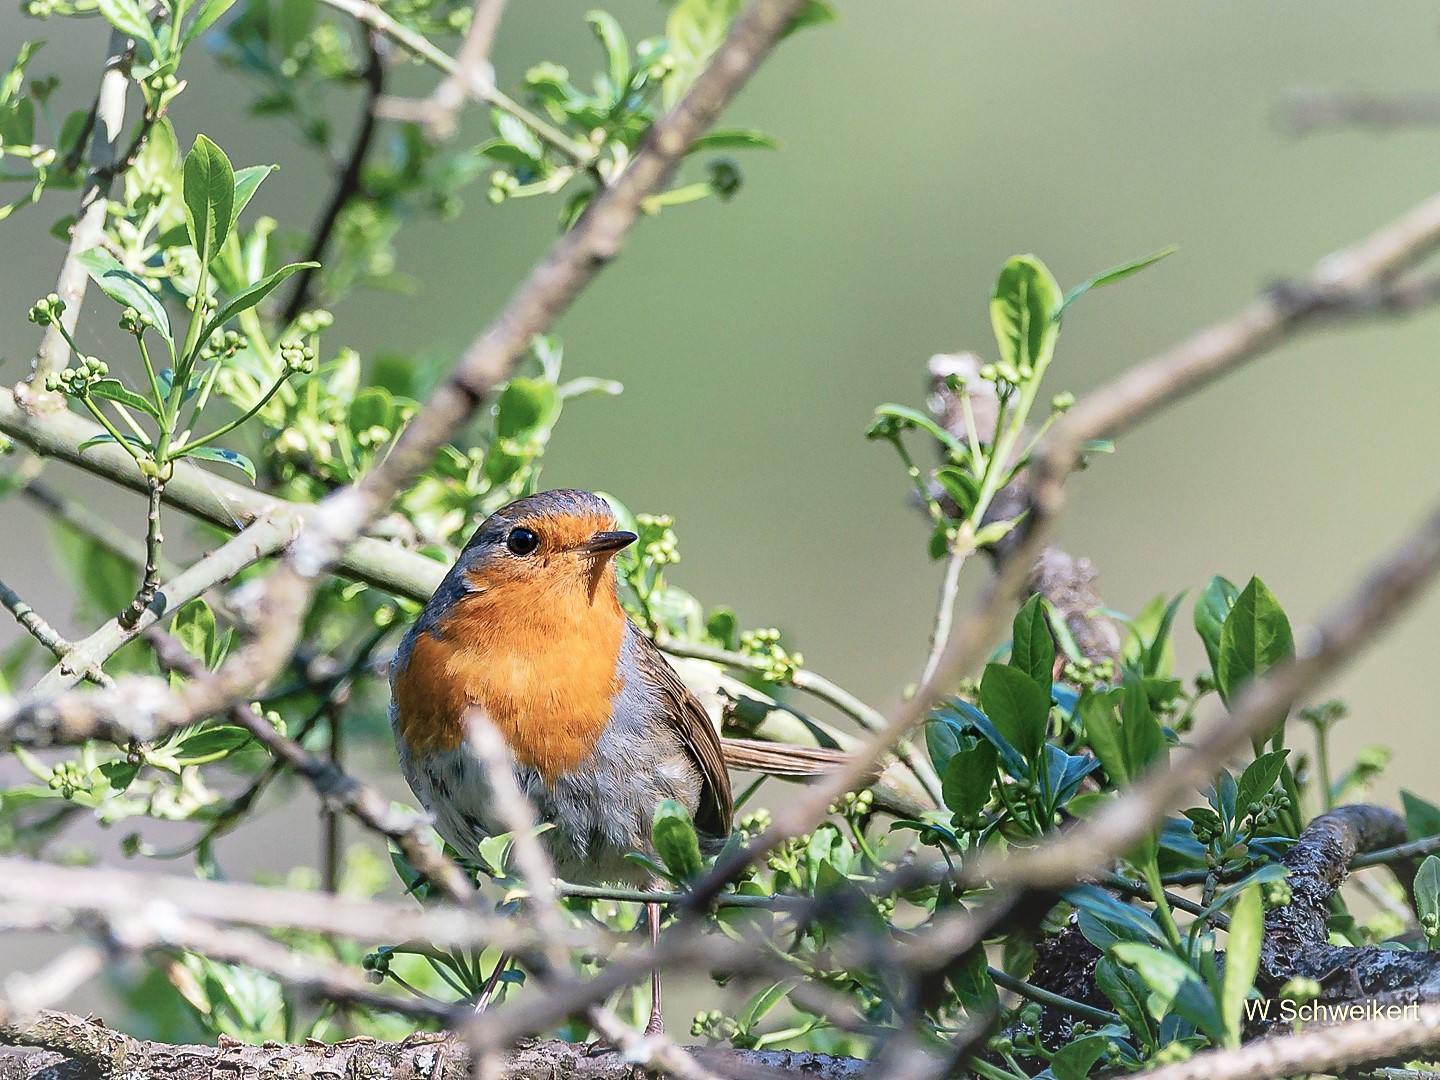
<point>696,732</point>
<point>782,759</point>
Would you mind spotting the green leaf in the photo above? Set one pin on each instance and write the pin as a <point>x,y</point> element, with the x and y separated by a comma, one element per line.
<point>114,390</point>
<point>961,487</point>
<point>209,189</point>
<point>128,16</point>
<point>525,407</point>
<point>14,78</point>
<point>1102,732</point>
<point>1018,708</point>
<point>224,457</point>
<point>734,139</point>
<point>102,580</point>
<point>617,51</point>
<point>942,741</point>
<point>247,180</point>
<point>1427,898</point>
<point>1211,608</point>
<point>673,834</point>
<point>195,629</point>
<point>246,300</point>
<point>1255,637</point>
<point>1143,737</point>
<point>1258,778</point>
<point>1114,274</point>
<point>290,23</point>
<point>1173,986</point>
<point>1242,961</point>
<point>969,778</point>
<point>1422,818</point>
<point>1032,649</point>
<point>210,744</point>
<point>1076,1058</point>
<point>125,288</point>
<point>814,13</point>
<point>205,17</point>
<point>891,419</point>
<point>1026,295</point>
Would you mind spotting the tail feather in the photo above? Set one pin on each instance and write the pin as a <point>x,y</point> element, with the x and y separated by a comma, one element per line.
<point>781,759</point>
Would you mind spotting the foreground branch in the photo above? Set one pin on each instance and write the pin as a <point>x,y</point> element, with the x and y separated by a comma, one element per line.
<point>59,1038</point>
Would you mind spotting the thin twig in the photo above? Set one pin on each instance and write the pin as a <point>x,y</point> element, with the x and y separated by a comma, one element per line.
<point>46,634</point>
<point>150,576</point>
<point>473,74</point>
<point>89,225</point>
<point>367,13</point>
<point>347,186</point>
<point>261,539</point>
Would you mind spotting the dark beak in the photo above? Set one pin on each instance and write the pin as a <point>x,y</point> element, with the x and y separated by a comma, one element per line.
<point>603,543</point>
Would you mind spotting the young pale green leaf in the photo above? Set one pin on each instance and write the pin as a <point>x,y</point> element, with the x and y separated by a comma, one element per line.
<point>194,627</point>
<point>1211,608</point>
<point>249,298</point>
<point>247,181</point>
<point>114,390</point>
<point>1032,649</point>
<point>891,419</point>
<point>1026,294</point>
<point>14,78</point>
<point>1255,637</point>
<point>1427,899</point>
<point>1242,961</point>
<point>1017,707</point>
<point>206,15</point>
<point>617,51</point>
<point>128,16</point>
<point>814,13</point>
<point>587,385</point>
<point>1114,274</point>
<point>224,457</point>
<point>125,288</point>
<point>525,407</point>
<point>673,834</point>
<point>209,190</point>
<point>734,139</point>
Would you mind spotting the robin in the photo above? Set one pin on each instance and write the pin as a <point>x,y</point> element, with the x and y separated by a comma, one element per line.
<point>527,628</point>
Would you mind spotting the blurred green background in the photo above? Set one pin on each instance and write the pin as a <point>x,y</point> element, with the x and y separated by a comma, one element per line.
<point>924,142</point>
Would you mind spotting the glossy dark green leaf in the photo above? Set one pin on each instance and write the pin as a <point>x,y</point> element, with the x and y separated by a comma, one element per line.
<point>1017,707</point>
<point>673,834</point>
<point>209,190</point>
<point>1032,649</point>
<point>224,457</point>
<point>970,979</point>
<point>942,741</point>
<point>1102,731</point>
<point>114,390</point>
<point>1143,737</point>
<point>1076,1058</point>
<point>1255,637</point>
<point>1258,778</point>
<point>125,288</point>
<point>969,778</point>
<point>1026,295</point>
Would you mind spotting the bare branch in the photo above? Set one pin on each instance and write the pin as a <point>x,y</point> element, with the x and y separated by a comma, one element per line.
<point>90,224</point>
<point>46,634</point>
<point>1307,112</point>
<point>473,77</point>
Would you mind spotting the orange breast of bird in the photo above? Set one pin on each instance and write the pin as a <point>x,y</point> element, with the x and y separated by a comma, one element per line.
<point>543,664</point>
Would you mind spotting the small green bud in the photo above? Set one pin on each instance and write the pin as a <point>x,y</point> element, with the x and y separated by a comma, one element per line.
<point>1062,402</point>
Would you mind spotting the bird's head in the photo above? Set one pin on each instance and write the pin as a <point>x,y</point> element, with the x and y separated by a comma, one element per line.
<point>554,547</point>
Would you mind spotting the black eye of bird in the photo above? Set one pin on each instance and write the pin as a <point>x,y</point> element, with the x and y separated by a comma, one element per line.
<point>522,541</point>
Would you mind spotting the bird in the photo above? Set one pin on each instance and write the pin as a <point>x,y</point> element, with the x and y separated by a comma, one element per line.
<point>527,628</point>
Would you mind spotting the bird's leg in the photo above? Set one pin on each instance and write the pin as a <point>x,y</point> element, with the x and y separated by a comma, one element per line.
<point>487,992</point>
<point>656,1026</point>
